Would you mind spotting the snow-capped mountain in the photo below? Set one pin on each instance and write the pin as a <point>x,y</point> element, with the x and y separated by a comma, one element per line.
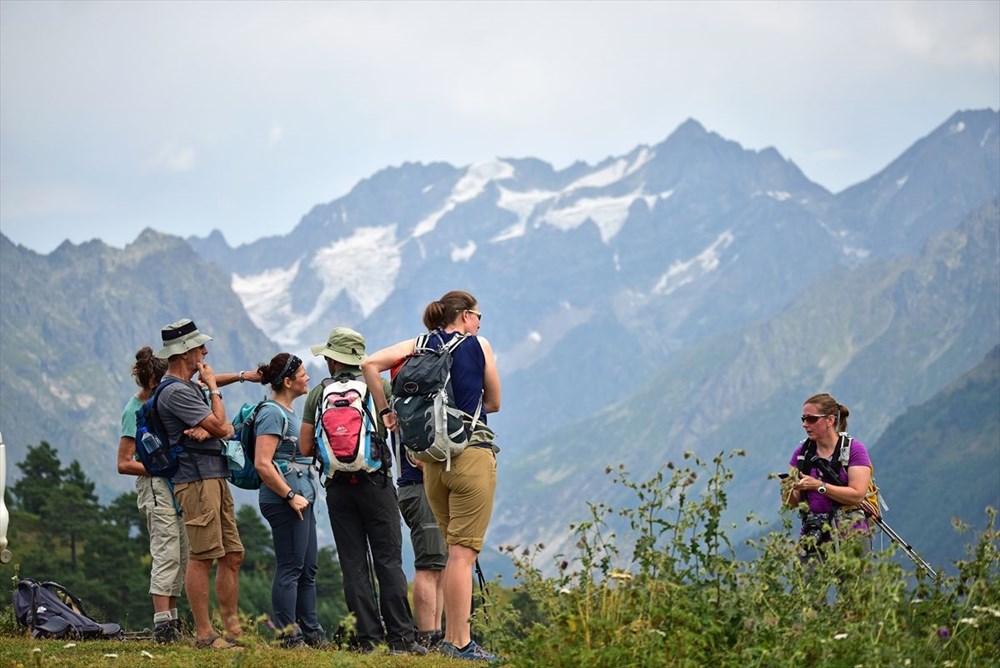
<point>632,258</point>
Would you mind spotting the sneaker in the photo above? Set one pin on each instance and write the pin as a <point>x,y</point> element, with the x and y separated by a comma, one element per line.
<point>168,631</point>
<point>407,647</point>
<point>471,652</point>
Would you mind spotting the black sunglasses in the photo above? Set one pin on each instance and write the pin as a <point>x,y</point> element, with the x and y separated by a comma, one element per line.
<point>811,419</point>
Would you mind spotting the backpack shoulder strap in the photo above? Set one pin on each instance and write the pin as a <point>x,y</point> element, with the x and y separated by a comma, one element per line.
<point>421,342</point>
<point>455,341</point>
<point>284,419</point>
<point>842,454</point>
<point>805,455</point>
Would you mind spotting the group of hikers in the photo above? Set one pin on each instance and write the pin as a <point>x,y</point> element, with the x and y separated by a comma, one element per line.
<point>445,504</point>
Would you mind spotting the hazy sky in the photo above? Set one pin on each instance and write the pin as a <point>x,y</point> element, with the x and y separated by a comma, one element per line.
<point>190,116</point>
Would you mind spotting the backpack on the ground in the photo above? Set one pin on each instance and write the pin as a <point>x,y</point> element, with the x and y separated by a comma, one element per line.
<point>241,449</point>
<point>49,610</point>
<point>347,438</point>
<point>838,463</point>
<point>152,445</point>
<point>430,425</point>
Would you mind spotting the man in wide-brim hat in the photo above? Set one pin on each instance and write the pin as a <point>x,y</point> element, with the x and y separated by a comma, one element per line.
<point>201,484</point>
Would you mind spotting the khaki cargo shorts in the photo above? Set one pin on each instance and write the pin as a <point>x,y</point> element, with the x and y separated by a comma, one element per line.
<point>209,518</point>
<point>462,498</point>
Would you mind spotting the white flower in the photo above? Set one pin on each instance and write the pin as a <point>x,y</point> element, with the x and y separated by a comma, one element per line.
<point>971,621</point>
<point>983,608</point>
<point>69,644</point>
<point>840,636</point>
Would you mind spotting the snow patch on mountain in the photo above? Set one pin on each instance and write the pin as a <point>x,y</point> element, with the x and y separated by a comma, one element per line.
<point>267,298</point>
<point>682,272</point>
<point>469,187</point>
<point>463,253</point>
<point>608,213</point>
<point>522,204</point>
<point>614,172</point>
<point>859,253</point>
<point>364,266</point>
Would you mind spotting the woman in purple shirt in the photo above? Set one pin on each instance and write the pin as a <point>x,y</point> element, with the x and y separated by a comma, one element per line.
<point>832,491</point>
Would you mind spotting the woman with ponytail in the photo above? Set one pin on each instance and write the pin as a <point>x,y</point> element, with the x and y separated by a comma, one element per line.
<point>829,471</point>
<point>461,497</point>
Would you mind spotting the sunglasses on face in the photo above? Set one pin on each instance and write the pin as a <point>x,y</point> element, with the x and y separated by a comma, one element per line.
<point>811,419</point>
<point>475,313</point>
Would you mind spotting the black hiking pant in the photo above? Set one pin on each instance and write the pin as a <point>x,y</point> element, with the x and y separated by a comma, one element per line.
<point>364,514</point>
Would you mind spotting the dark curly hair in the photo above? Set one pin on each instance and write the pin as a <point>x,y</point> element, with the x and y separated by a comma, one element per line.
<point>281,366</point>
<point>148,369</point>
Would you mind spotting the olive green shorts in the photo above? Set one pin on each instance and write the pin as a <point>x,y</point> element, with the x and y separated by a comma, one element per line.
<point>209,518</point>
<point>462,498</point>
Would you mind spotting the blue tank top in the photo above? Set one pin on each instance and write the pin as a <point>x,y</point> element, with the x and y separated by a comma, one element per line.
<point>468,364</point>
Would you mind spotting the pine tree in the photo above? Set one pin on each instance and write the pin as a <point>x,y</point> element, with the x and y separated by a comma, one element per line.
<point>41,477</point>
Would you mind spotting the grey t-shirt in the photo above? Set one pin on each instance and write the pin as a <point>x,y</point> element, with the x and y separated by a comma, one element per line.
<point>183,405</point>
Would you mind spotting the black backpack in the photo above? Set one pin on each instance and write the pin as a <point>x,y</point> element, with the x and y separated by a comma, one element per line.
<point>49,610</point>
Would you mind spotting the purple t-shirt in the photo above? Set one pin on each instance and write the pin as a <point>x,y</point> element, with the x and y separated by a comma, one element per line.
<point>821,503</point>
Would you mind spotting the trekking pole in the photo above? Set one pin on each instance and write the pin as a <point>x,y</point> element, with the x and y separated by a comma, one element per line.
<point>872,512</point>
<point>482,587</point>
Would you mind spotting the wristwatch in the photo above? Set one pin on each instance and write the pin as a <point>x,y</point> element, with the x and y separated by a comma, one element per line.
<point>290,495</point>
<point>821,489</point>
<point>211,392</point>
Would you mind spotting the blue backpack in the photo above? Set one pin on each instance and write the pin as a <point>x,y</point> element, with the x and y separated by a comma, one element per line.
<point>152,445</point>
<point>242,448</point>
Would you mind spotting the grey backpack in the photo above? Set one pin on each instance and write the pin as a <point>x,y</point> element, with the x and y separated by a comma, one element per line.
<point>49,610</point>
<point>431,426</point>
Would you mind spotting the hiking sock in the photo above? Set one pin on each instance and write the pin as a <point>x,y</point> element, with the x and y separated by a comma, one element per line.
<point>173,613</point>
<point>161,617</point>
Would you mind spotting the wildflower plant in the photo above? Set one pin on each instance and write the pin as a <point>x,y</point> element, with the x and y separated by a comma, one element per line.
<point>670,591</point>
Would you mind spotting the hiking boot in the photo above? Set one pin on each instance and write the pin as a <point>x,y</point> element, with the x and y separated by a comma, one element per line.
<point>406,647</point>
<point>317,639</point>
<point>430,639</point>
<point>471,652</point>
<point>168,631</point>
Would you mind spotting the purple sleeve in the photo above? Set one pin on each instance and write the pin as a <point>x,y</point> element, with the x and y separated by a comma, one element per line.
<point>859,454</point>
<point>794,463</point>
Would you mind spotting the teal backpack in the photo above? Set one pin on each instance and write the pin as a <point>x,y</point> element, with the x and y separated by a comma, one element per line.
<point>242,448</point>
